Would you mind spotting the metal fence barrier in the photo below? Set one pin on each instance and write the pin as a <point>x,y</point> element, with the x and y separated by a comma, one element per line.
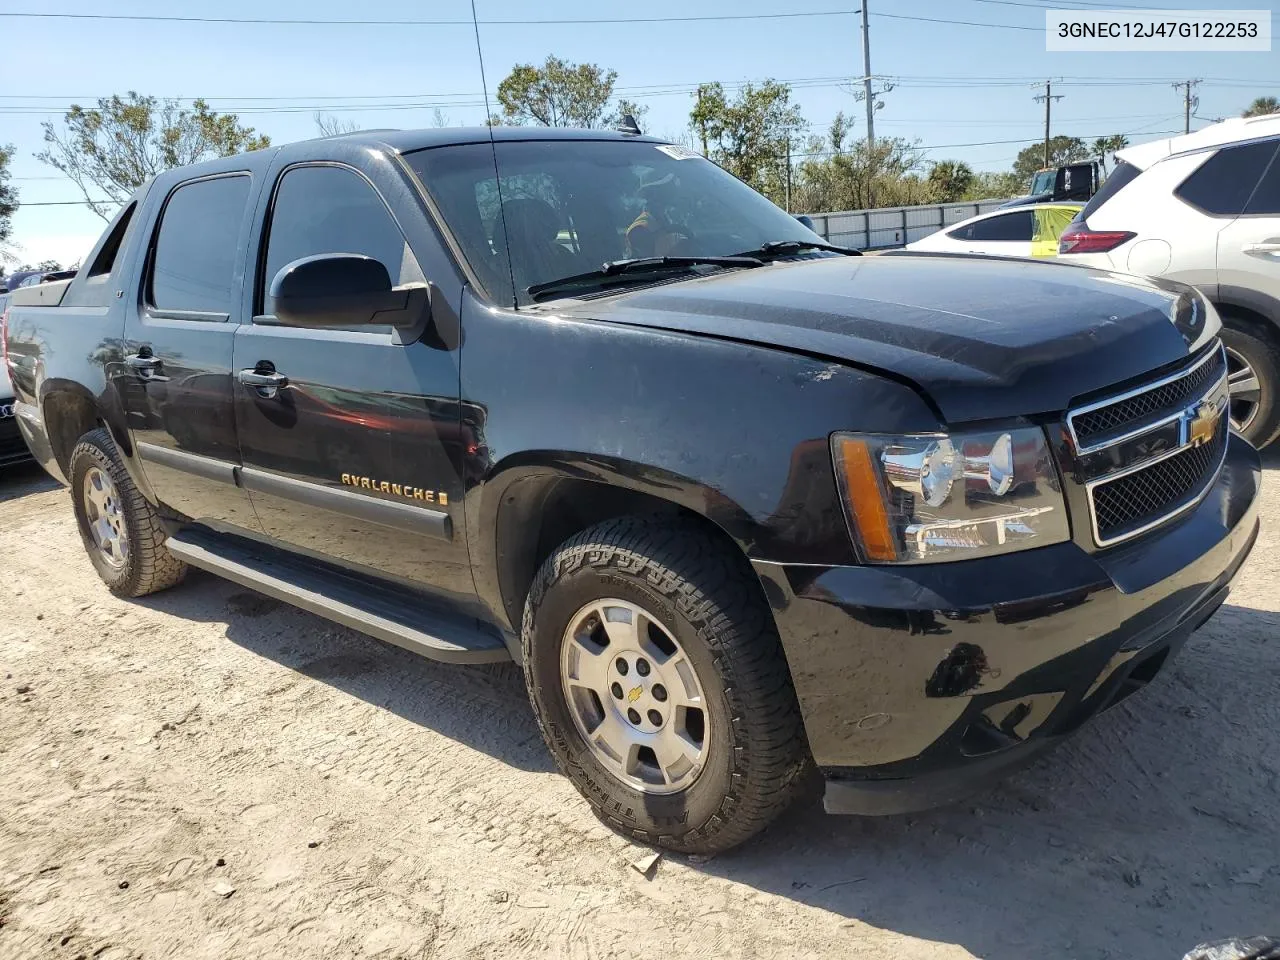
<point>887,227</point>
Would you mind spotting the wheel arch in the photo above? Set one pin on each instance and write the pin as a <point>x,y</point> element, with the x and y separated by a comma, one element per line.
<point>1252,311</point>
<point>69,411</point>
<point>531,507</point>
<point>1255,316</point>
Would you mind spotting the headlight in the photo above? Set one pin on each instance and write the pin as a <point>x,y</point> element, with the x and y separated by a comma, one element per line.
<point>929,498</point>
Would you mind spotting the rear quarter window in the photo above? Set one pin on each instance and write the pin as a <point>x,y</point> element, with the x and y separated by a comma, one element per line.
<point>1265,201</point>
<point>1222,185</point>
<point>105,262</point>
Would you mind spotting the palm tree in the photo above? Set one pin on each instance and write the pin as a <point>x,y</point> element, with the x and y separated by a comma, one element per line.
<point>951,179</point>
<point>1105,147</point>
<point>1262,106</point>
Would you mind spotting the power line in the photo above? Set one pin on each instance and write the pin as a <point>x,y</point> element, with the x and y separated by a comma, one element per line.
<point>1082,5</point>
<point>698,18</point>
<point>262,106</point>
<point>65,203</point>
<point>307,21</point>
<point>798,156</point>
<point>330,101</point>
<point>959,23</point>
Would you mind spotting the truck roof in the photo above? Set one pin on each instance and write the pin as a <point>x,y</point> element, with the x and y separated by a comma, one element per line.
<point>405,141</point>
<point>398,141</point>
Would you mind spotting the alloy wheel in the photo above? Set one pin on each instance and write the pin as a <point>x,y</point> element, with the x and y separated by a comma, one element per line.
<point>634,696</point>
<point>1246,391</point>
<point>104,517</point>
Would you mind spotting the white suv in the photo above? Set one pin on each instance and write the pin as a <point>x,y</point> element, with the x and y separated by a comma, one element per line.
<point>1204,209</point>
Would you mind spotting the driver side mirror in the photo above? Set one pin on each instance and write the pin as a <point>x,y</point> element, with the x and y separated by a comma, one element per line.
<point>343,290</point>
<point>805,220</point>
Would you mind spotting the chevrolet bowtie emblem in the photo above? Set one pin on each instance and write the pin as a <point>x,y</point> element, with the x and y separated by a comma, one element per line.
<point>634,695</point>
<point>1201,422</point>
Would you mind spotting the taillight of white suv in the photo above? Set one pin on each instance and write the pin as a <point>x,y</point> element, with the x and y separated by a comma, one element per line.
<point>1078,238</point>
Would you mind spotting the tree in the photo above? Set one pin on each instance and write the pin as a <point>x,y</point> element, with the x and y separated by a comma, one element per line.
<point>562,94</point>
<point>8,203</point>
<point>1106,147</point>
<point>44,266</point>
<point>1261,107</point>
<point>331,126</point>
<point>950,180</point>
<point>1061,150</point>
<point>836,175</point>
<point>989,185</point>
<point>750,135</point>
<point>117,146</point>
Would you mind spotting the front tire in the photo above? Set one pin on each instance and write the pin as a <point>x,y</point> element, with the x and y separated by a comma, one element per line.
<point>660,686</point>
<point>1253,370</point>
<point>120,529</point>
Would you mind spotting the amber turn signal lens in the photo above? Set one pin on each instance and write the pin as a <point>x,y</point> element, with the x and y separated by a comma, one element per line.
<point>865,498</point>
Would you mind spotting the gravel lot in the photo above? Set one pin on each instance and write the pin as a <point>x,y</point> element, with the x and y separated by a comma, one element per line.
<point>361,802</point>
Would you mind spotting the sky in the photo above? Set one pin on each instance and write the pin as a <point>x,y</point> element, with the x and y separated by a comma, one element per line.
<point>963,90</point>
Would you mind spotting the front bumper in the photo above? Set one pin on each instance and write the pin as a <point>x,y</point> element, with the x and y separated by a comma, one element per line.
<point>921,684</point>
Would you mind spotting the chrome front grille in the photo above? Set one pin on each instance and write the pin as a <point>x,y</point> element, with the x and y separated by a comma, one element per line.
<point>1098,423</point>
<point>1148,454</point>
<point>1139,499</point>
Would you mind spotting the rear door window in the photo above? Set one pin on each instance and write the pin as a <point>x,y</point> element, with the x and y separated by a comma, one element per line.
<point>196,248</point>
<point>1222,184</point>
<point>1012,227</point>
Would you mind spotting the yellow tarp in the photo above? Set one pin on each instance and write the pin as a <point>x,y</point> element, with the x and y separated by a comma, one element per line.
<point>1050,222</point>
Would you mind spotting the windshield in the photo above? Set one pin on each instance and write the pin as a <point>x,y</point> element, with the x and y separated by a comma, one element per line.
<point>572,205</point>
<point>1043,182</point>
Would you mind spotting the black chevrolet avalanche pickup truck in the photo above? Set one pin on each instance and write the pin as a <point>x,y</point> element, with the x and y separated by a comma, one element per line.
<point>742,504</point>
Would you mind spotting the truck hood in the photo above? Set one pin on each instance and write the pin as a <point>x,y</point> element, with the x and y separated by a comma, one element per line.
<point>1026,200</point>
<point>982,337</point>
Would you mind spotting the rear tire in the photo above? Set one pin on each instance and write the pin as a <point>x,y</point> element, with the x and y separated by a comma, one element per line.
<point>120,529</point>
<point>1261,403</point>
<point>702,605</point>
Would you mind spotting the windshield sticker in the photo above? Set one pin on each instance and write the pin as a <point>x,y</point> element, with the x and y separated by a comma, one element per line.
<point>677,152</point>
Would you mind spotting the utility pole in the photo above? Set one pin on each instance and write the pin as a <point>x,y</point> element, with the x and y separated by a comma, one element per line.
<point>1048,97</point>
<point>1189,102</point>
<point>788,173</point>
<point>866,79</point>
<point>702,123</point>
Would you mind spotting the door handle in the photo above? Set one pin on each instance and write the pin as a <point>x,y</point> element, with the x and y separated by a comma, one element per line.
<point>263,379</point>
<point>144,364</point>
<point>1269,249</point>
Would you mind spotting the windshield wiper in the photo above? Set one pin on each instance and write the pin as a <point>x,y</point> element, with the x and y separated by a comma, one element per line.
<point>617,268</point>
<point>774,247</point>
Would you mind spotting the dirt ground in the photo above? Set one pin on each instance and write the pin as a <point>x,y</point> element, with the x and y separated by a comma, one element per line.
<point>357,801</point>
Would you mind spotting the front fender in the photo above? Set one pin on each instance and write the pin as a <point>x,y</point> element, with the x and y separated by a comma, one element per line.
<point>734,432</point>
